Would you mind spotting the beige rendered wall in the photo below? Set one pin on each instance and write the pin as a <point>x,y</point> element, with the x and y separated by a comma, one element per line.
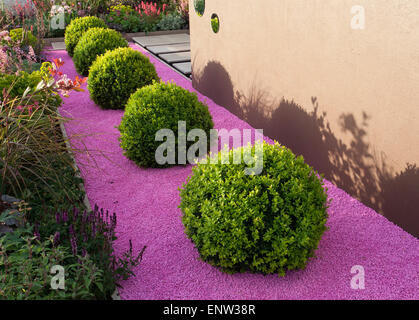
<point>345,99</point>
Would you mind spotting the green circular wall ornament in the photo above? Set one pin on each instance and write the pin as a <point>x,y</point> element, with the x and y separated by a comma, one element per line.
<point>199,7</point>
<point>215,23</point>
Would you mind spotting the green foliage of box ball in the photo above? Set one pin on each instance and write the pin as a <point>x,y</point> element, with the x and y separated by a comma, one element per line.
<point>94,42</point>
<point>115,75</point>
<point>77,28</point>
<point>155,107</point>
<point>267,223</point>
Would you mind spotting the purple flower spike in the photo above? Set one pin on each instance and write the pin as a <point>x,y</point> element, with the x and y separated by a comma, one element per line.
<point>94,229</point>
<point>65,216</point>
<point>73,242</point>
<point>75,213</point>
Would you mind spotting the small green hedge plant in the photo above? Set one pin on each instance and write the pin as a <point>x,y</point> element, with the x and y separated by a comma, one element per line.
<point>267,223</point>
<point>77,28</point>
<point>16,85</point>
<point>159,106</point>
<point>171,21</point>
<point>115,75</point>
<point>94,42</point>
<point>26,38</point>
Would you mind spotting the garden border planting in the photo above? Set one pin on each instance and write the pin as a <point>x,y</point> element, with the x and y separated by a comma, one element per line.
<point>147,200</point>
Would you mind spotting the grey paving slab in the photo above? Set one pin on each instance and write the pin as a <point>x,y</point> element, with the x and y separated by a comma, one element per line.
<point>146,41</point>
<point>171,48</point>
<point>184,67</point>
<point>176,57</point>
<point>58,45</point>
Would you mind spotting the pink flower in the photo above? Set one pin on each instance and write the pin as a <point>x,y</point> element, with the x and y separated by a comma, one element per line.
<point>31,54</point>
<point>4,60</point>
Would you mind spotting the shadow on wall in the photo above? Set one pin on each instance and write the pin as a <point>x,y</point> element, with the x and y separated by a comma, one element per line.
<point>352,166</point>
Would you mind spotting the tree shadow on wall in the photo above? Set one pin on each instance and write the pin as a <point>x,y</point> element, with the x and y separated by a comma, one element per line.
<point>352,165</point>
<point>215,83</point>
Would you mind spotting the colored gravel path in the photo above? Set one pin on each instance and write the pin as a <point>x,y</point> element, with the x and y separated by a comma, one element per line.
<point>146,201</point>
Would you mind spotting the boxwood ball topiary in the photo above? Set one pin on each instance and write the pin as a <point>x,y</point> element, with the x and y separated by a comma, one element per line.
<point>267,223</point>
<point>115,75</point>
<point>94,42</point>
<point>160,106</point>
<point>77,28</point>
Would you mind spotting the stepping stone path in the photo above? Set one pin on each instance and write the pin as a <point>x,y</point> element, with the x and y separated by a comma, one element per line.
<point>58,45</point>
<point>173,49</point>
<point>146,41</point>
<point>176,57</point>
<point>181,47</point>
<point>184,67</point>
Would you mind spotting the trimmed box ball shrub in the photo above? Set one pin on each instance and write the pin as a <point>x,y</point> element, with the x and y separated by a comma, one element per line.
<point>267,223</point>
<point>155,107</point>
<point>115,75</point>
<point>94,42</point>
<point>77,28</point>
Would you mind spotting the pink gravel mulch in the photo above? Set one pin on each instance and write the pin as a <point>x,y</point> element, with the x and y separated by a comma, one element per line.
<point>146,201</point>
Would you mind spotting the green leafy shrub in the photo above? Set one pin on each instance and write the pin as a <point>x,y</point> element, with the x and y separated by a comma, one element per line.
<point>215,23</point>
<point>94,42</point>
<point>267,223</point>
<point>26,38</point>
<point>155,107</point>
<point>16,85</point>
<point>115,75</point>
<point>199,7</point>
<point>123,18</point>
<point>77,28</point>
<point>171,21</point>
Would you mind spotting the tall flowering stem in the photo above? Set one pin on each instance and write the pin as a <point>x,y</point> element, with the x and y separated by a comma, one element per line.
<point>56,80</point>
<point>151,11</point>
